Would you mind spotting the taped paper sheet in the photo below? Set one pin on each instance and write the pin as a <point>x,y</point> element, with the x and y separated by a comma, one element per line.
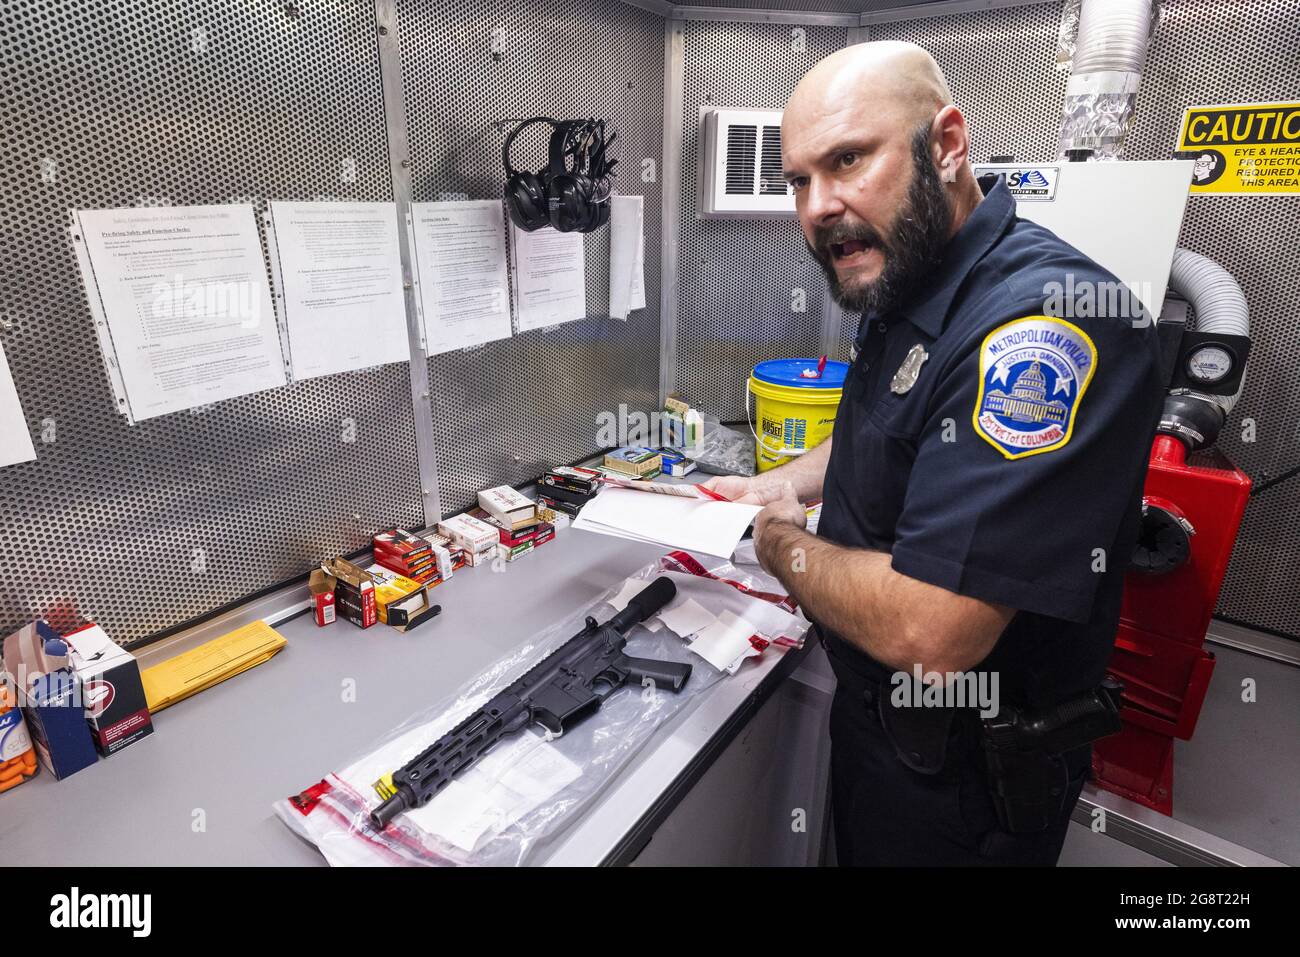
<point>626,255</point>
<point>687,618</point>
<point>515,777</point>
<point>183,302</point>
<point>725,643</point>
<point>460,261</point>
<point>550,272</point>
<point>341,275</point>
<point>15,439</point>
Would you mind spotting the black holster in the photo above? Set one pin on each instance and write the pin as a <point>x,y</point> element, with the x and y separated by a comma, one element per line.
<point>1025,754</point>
<point>919,734</point>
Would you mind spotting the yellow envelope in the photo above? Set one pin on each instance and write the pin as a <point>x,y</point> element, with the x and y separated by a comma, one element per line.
<point>210,663</point>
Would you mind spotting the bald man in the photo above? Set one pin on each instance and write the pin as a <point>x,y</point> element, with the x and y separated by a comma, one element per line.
<point>981,489</point>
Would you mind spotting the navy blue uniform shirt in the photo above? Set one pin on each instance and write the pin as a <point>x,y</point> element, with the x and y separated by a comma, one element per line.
<point>1011,468</point>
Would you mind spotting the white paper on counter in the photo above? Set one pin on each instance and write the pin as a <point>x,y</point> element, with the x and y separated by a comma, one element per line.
<point>626,255</point>
<point>15,439</point>
<point>512,779</point>
<point>550,277</point>
<point>460,261</point>
<point>341,273</point>
<point>188,309</point>
<point>697,525</point>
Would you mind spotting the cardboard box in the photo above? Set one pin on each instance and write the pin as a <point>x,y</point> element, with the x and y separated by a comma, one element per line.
<point>634,460</point>
<point>672,421</point>
<point>112,692</point>
<point>510,508</point>
<point>321,584</point>
<point>623,476</point>
<point>561,507</point>
<point>442,557</point>
<point>571,478</point>
<point>469,533</point>
<point>356,610</point>
<point>530,534</point>
<point>676,463</point>
<point>445,551</point>
<point>51,704</point>
<point>392,589</point>
<point>474,559</point>
<point>401,542</point>
<point>400,551</point>
<point>561,494</point>
<point>508,553</point>
<point>354,592</point>
<point>427,575</point>
<point>413,610</point>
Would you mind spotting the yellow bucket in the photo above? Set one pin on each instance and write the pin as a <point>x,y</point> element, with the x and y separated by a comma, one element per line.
<point>794,406</point>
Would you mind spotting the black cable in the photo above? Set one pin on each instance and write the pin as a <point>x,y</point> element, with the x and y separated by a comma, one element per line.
<point>1276,480</point>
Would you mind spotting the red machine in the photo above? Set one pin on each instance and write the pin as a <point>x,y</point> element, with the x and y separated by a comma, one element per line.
<point>1192,507</point>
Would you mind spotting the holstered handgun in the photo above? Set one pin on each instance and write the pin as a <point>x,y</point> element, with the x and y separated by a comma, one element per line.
<point>1024,750</point>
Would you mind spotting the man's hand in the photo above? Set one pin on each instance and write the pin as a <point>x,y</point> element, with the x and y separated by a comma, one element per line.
<point>750,491</point>
<point>782,510</point>
<point>737,488</point>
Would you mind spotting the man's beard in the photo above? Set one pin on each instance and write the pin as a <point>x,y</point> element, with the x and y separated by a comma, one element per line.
<point>918,236</point>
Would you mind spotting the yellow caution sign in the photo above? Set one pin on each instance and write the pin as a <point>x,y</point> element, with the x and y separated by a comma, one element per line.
<point>1243,149</point>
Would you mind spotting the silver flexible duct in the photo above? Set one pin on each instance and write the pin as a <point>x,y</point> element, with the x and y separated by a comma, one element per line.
<point>1219,303</point>
<point>1109,52</point>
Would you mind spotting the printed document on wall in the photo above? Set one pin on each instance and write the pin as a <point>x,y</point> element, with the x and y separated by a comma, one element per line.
<point>550,274</point>
<point>460,258</point>
<point>182,292</point>
<point>15,439</point>
<point>340,270</point>
<point>626,255</point>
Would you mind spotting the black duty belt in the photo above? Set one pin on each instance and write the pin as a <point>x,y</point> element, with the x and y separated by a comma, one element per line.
<point>1030,755</point>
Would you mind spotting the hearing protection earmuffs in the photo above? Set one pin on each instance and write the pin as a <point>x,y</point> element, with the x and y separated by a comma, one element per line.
<point>572,193</point>
<point>526,192</point>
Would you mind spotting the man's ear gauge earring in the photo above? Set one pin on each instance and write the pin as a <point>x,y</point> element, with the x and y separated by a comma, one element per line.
<point>949,172</point>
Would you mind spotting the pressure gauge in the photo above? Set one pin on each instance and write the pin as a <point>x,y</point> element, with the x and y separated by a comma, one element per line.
<point>1209,364</point>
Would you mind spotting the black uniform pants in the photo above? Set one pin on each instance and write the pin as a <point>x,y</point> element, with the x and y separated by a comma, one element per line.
<point>887,814</point>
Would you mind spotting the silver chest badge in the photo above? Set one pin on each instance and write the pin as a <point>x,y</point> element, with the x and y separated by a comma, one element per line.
<point>906,375</point>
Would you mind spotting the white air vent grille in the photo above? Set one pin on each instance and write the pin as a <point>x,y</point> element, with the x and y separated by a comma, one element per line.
<point>771,177</point>
<point>740,160</point>
<point>741,174</point>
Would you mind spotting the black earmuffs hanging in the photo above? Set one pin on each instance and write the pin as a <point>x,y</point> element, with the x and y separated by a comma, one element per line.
<point>572,193</point>
<point>526,192</point>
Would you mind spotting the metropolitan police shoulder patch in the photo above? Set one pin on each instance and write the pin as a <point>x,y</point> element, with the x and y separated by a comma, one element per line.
<point>1033,373</point>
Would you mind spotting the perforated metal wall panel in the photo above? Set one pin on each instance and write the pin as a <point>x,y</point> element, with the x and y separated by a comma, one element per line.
<point>108,103</point>
<point>742,280</point>
<point>1000,65</point>
<point>504,411</point>
<point>809,6</point>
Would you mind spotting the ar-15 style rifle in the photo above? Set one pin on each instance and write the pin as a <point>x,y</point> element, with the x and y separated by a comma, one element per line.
<point>562,689</point>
